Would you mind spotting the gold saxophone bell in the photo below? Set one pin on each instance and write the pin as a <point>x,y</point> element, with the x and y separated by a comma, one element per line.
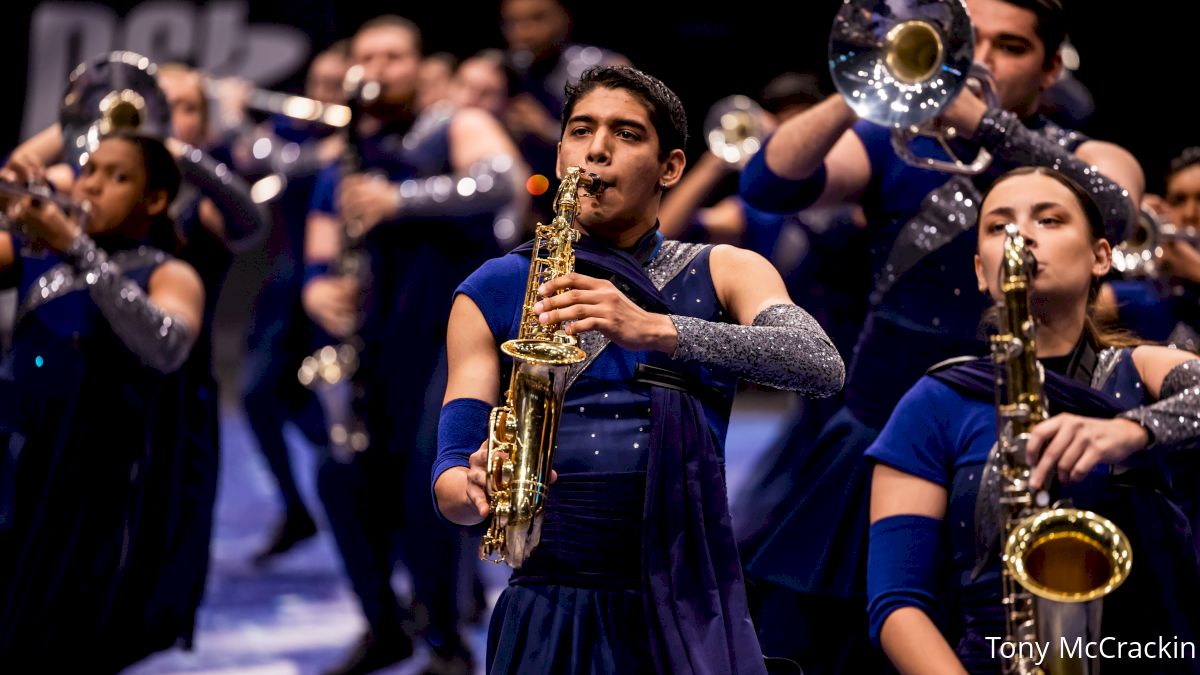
<point>900,65</point>
<point>1068,555</point>
<point>522,432</point>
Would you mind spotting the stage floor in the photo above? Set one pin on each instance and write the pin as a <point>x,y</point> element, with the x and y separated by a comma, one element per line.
<point>298,616</point>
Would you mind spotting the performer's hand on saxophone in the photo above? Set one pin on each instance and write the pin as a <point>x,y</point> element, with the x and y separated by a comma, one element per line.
<point>1072,445</point>
<point>477,489</point>
<point>596,304</point>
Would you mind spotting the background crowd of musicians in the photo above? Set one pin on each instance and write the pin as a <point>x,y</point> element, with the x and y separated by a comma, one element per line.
<point>109,409</point>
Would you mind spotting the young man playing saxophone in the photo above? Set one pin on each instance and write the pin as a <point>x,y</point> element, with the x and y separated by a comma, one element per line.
<point>636,569</point>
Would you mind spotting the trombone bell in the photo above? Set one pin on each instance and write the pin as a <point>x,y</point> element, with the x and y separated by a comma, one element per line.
<point>734,128</point>
<point>914,51</point>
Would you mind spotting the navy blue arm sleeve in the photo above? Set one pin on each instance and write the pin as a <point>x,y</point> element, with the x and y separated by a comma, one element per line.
<point>902,567</point>
<point>461,429</point>
<point>764,189</point>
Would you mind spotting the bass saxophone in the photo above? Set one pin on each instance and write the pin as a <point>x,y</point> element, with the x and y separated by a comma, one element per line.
<point>329,371</point>
<point>522,432</point>
<point>1059,562</point>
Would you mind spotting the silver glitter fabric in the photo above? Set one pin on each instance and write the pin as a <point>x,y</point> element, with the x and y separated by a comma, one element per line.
<point>486,188</point>
<point>946,212</point>
<point>1174,420</point>
<point>1106,365</point>
<point>670,260</point>
<point>952,208</point>
<point>160,341</point>
<point>1013,145</point>
<point>785,348</point>
<point>246,223</point>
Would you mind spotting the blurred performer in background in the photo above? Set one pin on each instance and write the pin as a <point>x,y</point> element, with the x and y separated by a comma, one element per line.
<point>543,61</point>
<point>923,306</point>
<point>481,81</point>
<point>1159,297</point>
<point>433,79</point>
<point>93,402</point>
<point>213,215</point>
<point>427,193</point>
<point>279,335</point>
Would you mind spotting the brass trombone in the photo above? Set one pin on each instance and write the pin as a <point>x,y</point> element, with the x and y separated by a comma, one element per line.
<point>899,64</point>
<point>296,107</point>
<point>734,128</point>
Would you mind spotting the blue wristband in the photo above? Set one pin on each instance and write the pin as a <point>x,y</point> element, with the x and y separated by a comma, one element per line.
<point>902,567</point>
<point>316,269</point>
<point>461,430</point>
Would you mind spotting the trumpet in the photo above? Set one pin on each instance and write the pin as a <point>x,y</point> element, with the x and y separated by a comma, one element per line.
<point>39,192</point>
<point>734,128</point>
<point>900,64</point>
<point>1140,255</point>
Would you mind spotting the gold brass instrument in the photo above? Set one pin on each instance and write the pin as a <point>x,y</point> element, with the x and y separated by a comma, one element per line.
<point>734,128</point>
<point>1058,562</point>
<point>899,63</point>
<point>522,432</point>
<point>116,91</point>
<point>330,370</point>
<point>300,108</point>
<point>1140,255</point>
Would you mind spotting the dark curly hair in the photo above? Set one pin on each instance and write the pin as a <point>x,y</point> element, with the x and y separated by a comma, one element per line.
<point>666,111</point>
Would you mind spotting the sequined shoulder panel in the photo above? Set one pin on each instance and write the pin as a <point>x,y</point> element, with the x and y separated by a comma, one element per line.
<point>672,258</point>
<point>946,213</point>
<point>1106,365</point>
<point>670,261</point>
<point>62,279</point>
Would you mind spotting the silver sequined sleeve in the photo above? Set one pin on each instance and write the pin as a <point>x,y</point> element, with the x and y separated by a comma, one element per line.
<point>246,223</point>
<point>1013,145</point>
<point>785,348</point>
<point>1173,422</point>
<point>487,187</point>
<point>161,342</point>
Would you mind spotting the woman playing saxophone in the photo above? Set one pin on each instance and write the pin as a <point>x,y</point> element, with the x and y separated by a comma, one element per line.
<point>1117,413</point>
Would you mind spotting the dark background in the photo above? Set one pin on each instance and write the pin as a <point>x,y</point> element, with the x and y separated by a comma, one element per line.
<point>1138,58</point>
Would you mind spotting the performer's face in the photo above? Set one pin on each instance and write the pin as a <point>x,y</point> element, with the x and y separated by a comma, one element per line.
<point>1056,228</point>
<point>185,96</point>
<point>1183,197</point>
<point>533,25</point>
<point>388,55</point>
<point>1006,41</point>
<point>324,80</point>
<point>480,84</point>
<point>609,133</point>
<point>114,182</point>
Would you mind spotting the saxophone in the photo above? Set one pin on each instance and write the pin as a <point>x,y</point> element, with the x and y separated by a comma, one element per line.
<point>522,432</point>
<point>329,371</point>
<point>1058,561</point>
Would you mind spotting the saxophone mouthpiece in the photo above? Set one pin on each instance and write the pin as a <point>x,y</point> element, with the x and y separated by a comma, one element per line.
<point>594,185</point>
